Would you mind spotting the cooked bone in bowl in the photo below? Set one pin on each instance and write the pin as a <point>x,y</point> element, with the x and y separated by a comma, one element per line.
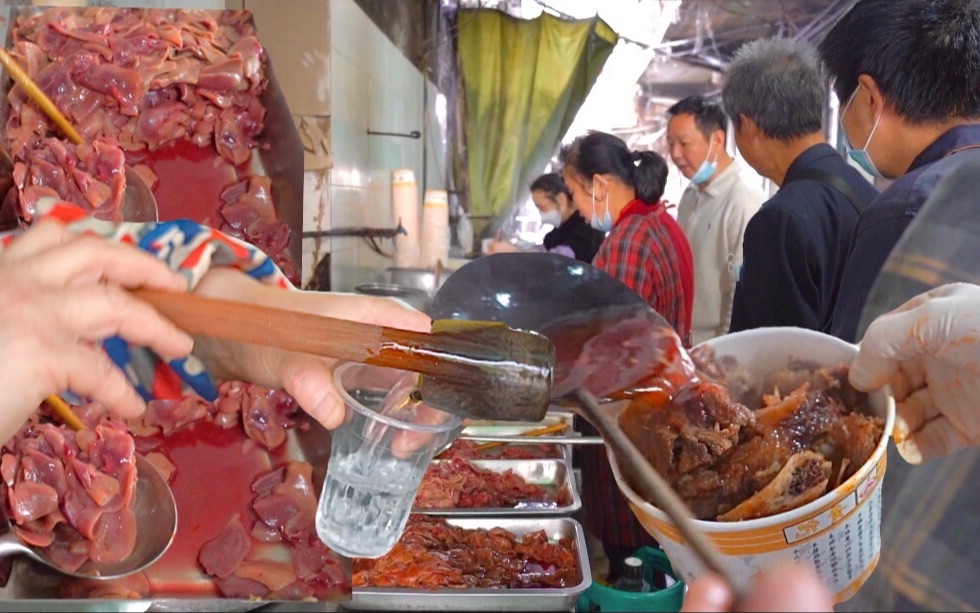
<point>779,458</point>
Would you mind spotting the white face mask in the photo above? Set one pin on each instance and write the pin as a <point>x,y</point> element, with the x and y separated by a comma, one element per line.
<point>552,218</point>
<point>860,156</point>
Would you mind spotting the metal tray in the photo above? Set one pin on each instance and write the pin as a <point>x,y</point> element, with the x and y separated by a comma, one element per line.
<point>482,431</point>
<point>279,155</point>
<point>553,475</point>
<point>469,599</point>
<point>31,587</point>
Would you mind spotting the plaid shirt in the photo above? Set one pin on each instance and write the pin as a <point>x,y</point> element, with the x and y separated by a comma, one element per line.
<point>930,520</point>
<point>646,250</point>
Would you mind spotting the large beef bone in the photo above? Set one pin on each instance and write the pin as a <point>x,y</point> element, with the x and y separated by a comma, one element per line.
<point>480,370</point>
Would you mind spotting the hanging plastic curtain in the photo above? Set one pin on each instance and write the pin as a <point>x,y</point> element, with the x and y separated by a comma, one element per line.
<point>523,83</point>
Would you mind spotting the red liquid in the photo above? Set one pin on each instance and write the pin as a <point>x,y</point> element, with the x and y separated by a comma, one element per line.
<point>215,471</point>
<point>191,180</point>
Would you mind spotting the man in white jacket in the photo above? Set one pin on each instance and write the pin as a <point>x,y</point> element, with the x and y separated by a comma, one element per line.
<point>713,210</point>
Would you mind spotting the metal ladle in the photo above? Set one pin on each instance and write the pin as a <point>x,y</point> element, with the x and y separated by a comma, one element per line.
<point>607,339</point>
<point>156,525</point>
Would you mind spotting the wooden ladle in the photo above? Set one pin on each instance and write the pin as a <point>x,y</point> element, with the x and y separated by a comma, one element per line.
<point>479,370</point>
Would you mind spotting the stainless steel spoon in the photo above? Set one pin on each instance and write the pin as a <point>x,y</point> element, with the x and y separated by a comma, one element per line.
<point>156,525</point>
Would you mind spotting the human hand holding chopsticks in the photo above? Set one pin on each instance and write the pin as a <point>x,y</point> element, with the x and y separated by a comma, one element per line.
<point>62,295</point>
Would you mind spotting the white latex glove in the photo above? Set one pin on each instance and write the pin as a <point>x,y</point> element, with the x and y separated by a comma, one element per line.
<point>929,350</point>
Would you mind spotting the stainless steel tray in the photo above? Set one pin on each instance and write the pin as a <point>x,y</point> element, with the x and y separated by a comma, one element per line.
<point>467,599</point>
<point>553,475</point>
<point>33,588</point>
<point>279,155</point>
<point>483,431</point>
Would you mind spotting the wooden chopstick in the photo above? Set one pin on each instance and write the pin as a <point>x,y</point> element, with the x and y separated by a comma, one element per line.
<point>559,427</point>
<point>64,411</point>
<point>37,95</point>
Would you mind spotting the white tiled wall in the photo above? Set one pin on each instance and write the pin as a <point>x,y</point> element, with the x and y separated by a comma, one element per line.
<point>373,86</point>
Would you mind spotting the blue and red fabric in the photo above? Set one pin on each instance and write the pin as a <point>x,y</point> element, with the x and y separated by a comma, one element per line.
<point>187,247</point>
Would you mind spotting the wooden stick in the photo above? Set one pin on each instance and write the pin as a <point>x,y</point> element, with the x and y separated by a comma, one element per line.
<point>352,341</point>
<point>530,433</point>
<point>37,95</point>
<point>64,411</point>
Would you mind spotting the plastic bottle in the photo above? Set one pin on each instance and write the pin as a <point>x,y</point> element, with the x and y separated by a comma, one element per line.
<point>632,579</point>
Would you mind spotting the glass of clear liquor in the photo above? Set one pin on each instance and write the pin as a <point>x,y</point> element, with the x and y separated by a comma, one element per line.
<point>378,457</point>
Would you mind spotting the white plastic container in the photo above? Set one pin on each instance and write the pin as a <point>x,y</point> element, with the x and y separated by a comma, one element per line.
<point>405,210</point>
<point>435,228</point>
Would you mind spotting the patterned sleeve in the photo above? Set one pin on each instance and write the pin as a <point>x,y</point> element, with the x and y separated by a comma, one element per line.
<point>187,247</point>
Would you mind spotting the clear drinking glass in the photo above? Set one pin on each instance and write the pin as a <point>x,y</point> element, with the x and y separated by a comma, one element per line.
<point>378,457</point>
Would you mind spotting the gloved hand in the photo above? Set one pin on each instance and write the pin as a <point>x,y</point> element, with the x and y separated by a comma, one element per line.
<point>929,350</point>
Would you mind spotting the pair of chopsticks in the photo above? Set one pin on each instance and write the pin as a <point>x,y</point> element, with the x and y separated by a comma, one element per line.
<point>21,78</point>
<point>553,428</point>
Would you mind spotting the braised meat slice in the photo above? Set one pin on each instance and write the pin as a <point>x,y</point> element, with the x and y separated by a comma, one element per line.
<point>699,426</point>
<point>810,432</point>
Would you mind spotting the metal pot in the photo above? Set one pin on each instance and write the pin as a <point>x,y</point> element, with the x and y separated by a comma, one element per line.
<point>424,279</point>
<point>414,297</point>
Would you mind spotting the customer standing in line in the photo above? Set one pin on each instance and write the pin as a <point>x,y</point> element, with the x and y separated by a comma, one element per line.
<point>795,247</point>
<point>714,209</point>
<point>907,73</point>
<point>571,234</point>
<point>620,192</point>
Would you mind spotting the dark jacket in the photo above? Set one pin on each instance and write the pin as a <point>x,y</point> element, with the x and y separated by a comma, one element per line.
<point>885,221</point>
<point>577,235</point>
<point>796,246</point>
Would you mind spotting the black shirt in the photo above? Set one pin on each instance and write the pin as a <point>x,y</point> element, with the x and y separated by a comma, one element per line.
<point>795,247</point>
<point>577,235</point>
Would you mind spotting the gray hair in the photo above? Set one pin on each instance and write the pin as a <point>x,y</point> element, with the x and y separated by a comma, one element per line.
<point>780,84</point>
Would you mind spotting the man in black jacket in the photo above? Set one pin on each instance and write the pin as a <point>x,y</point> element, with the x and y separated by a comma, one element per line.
<point>908,75</point>
<point>796,245</point>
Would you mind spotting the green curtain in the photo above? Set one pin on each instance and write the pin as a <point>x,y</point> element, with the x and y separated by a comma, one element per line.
<point>523,83</point>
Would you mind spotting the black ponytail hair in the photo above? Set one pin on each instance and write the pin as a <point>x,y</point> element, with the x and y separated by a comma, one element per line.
<point>598,153</point>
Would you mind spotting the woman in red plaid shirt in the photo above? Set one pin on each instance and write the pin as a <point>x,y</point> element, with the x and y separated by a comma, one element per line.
<point>619,191</point>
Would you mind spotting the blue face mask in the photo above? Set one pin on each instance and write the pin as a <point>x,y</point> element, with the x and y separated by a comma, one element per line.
<point>606,223</point>
<point>860,156</point>
<point>706,170</point>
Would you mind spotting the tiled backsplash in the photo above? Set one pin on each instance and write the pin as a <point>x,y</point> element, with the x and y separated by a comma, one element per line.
<point>373,87</point>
